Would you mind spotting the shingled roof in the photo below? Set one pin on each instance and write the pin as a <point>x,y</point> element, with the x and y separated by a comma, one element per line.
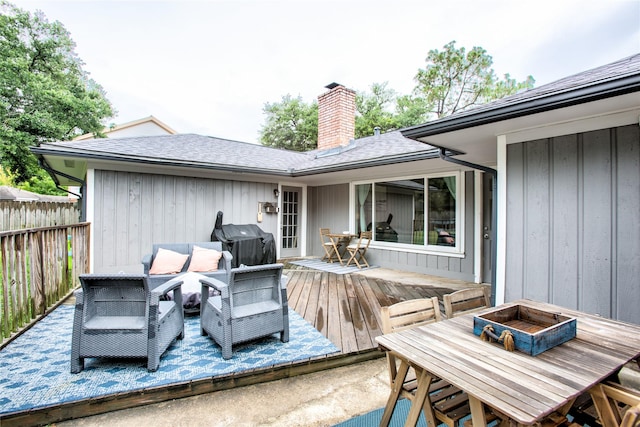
<point>226,155</point>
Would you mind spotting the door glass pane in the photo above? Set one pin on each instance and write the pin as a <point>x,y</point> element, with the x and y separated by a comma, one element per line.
<point>290,219</point>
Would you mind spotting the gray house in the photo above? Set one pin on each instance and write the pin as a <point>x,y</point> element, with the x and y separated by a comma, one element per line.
<point>537,193</point>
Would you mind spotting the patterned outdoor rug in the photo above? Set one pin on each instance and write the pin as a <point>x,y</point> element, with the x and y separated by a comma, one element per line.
<point>397,419</point>
<point>317,264</point>
<point>34,368</point>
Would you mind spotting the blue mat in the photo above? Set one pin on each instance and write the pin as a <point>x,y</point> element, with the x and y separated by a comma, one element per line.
<point>373,418</point>
<point>34,368</point>
<point>397,419</point>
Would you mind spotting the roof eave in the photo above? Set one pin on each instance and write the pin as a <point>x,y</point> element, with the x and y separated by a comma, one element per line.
<point>39,151</point>
<point>608,89</point>
<point>404,158</point>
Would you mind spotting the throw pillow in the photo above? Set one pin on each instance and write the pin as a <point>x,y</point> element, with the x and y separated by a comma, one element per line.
<point>168,262</point>
<point>203,260</point>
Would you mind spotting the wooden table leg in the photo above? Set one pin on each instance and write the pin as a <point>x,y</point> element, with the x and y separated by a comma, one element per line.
<point>395,393</point>
<point>477,412</point>
<point>336,252</point>
<point>422,396</point>
<point>608,415</point>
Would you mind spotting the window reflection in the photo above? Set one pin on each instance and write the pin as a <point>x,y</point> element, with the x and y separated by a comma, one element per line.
<point>395,210</point>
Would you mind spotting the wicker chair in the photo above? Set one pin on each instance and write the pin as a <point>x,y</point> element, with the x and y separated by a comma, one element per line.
<point>252,305</point>
<point>117,316</point>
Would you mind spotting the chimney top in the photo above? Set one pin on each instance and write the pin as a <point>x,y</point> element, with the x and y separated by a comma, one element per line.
<point>336,116</point>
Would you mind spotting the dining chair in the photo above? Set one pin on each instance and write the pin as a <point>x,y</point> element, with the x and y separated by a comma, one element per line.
<point>327,245</point>
<point>119,316</point>
<point>466,301</point>
<point>612,400</point>
<point>358,249</point>
<point>445,402</point>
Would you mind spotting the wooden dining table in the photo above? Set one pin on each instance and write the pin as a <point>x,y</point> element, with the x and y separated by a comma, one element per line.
<point>523,388</point>
<point>339,240</point>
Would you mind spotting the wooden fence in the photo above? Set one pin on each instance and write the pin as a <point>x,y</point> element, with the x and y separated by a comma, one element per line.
<point>17,215</point>
<point>40,266</point>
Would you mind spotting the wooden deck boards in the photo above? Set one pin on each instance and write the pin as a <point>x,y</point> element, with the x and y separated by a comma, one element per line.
<point>346,308</point>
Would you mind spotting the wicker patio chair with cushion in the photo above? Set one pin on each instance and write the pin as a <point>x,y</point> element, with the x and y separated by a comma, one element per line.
<point>169,260</point>
<point>118,316</point>
<point>358,249</point>
<point>466,301</point>
<point>252,305</point>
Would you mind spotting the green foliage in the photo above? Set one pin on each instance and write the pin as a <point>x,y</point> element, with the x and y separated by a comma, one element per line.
<point>41,183</point>
<point>454,80</point>
<point>291,124</point>
<point>44,93</point>
<point>375,109</point>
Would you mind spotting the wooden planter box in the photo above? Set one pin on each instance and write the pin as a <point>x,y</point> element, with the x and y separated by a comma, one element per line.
<point>534,331</point>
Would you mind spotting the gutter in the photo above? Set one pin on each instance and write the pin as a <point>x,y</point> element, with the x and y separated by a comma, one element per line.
<point>609,89</point>
<point>291,172</point>
<point>494,209</point>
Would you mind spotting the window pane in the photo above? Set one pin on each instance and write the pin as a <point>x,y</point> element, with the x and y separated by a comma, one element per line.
<point>442,211</point>
<point>363,207</point>
<point>399,211</point>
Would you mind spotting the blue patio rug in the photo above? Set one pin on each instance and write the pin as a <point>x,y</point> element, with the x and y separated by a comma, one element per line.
<point>34,368</point>
<point>335,267</point>
<point>397,419</point>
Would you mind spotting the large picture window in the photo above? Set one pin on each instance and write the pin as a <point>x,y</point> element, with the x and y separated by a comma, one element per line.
<point>418,211</point>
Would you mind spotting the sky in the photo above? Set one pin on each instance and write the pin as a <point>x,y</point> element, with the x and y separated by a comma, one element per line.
<point>210,66</point>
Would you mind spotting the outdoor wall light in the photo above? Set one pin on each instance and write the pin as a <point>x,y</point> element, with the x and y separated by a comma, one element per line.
<point>276,193</point>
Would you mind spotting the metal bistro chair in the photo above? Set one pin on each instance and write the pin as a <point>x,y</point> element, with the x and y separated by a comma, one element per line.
<point>118,316</point>
<point>358,249</point>
<point>466,301</point>
<point>251,306</point>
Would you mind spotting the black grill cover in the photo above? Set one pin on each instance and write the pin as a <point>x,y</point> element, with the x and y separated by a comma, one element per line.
<point>248,244</point>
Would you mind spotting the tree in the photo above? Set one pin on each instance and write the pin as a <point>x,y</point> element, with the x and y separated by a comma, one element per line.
<point>291,124</point>
<point>375,109</point>
<point>45,95</point>
<point>454,80</point>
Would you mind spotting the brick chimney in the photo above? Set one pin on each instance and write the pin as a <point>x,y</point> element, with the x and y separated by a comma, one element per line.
<point>336,116</point>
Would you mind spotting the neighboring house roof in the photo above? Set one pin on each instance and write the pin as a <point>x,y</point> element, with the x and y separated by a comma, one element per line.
<point>143,125</point>
<point>11,193</point>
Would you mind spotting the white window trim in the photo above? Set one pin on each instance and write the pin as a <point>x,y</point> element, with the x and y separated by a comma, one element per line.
<point>456,252</point>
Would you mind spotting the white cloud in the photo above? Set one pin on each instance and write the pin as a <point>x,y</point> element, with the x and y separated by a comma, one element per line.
<point>209,67</point>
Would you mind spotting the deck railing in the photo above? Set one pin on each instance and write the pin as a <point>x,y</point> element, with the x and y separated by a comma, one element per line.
<point>40,266</point>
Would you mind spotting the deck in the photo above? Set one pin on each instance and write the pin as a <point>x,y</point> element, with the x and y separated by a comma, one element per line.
<point>344,308</point>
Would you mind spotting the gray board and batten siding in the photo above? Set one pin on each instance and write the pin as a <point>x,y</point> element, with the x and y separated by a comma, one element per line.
<point>573,222</point>
<point>329,207</point>
<point>135,210</point>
